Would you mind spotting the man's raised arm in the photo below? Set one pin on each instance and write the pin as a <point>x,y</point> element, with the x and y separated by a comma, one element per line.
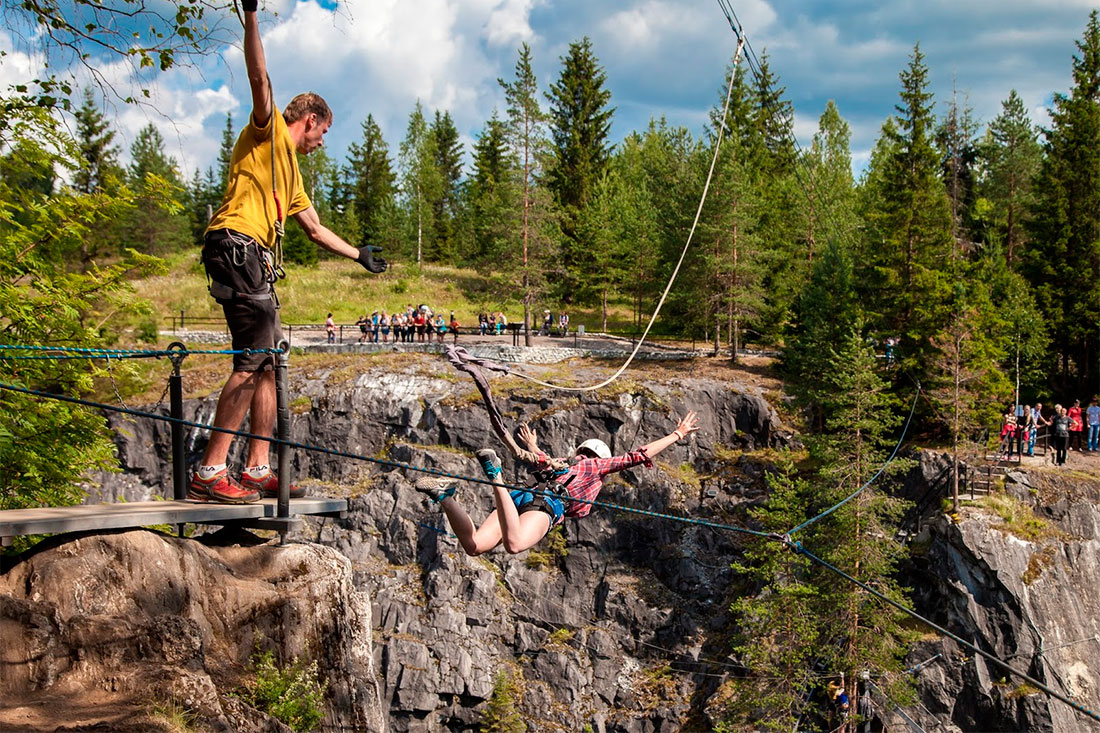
<point>256,64</point>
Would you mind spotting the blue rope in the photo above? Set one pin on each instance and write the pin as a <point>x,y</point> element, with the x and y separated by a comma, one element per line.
<point>859,491</point>
<point>118,353</point>
<point>798,548</point>
<point>378,461</point>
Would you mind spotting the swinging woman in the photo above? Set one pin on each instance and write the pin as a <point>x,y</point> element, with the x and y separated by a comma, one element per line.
<point>523,517</point>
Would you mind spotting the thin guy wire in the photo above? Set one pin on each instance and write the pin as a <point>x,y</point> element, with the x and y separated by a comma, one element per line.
<point>858,491</point>
<point>798,548</point>
<point>115,353</point>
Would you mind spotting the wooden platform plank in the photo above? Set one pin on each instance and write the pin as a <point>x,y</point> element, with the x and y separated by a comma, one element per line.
<point>54,520</point>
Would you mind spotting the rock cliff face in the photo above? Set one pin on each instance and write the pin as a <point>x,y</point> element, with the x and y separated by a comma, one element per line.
<point>618,630</point>
<point>623,628</point>
<point>1019,576</point>
<point>110,631</point>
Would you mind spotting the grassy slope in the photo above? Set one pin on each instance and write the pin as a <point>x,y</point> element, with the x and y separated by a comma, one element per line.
<point>343,288</point>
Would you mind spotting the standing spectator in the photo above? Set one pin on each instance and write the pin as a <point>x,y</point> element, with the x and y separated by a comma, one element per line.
<point>493,323</point>
<point>502,322</point>
<point>420,322</point>
<point>362,323</point>
<point>1008,436</point>
<point>440,327</point>
<point>429,325</point>
<point>1061,423</point>
<point>1021,412</point>
<point>1076,427</point>
<point>563,323</point>
<point>330,329</point>
<point>1025,430</point>
<point>1093,416</point>
<point>384,322</point>
<point>454,326</point>
<point>1039,421</point>
<point>547,320</point>
<point>482,322</point>
<point>375,326</point>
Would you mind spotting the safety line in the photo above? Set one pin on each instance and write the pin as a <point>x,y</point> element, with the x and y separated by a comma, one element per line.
<point>858,491</point>
<point>380,461</point>
<point>799,549</point>
<point>100,352</point>
<point>683,252</point>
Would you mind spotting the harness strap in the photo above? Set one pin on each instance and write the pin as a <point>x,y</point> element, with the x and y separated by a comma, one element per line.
<point>222,292</point>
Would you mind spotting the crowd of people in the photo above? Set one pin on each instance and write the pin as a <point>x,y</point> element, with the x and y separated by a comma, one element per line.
<point>420,324</point>
<point>1067,428</point>
<point>415,324</point>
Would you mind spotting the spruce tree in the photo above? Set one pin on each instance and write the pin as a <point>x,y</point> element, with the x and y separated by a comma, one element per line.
<point>159,223</point>
<point>99,155</point>
<point>370,183</point>
<point>908,241</point>
<point>99,171</point>
<point>448,161</point>
<point>859,537</point>
<point>491,207</point>
<point>957,138</point>
<point>1065,258</point>
<point>580,120</point>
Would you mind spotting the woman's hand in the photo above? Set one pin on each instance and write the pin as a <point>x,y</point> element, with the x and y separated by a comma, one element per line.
<point>688,425</point>
<point>528,436</point>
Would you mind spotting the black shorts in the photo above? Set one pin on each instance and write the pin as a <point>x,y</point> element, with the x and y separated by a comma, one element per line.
<point>236,261</point>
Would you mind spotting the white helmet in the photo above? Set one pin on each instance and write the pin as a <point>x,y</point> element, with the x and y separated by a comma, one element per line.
<point>597,446</point>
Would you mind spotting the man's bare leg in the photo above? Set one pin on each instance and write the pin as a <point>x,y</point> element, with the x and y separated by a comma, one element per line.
<point>263,419</point>
<point>236,398</point>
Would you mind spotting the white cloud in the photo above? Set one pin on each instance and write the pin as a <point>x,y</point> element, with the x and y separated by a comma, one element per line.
<point>509,23</point>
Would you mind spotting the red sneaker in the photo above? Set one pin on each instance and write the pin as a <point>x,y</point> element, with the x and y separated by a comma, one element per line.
<point>268,485</point>
<point>220,487</point>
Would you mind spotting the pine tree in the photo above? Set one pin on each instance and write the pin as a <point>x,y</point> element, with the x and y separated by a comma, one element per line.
<point>421,182</point>
<point>1011,156</point>
<point>526,128</point>
<point>956,136</point>
<point>580,121</point>
<point>225,159</point>
<point>1065,257</point>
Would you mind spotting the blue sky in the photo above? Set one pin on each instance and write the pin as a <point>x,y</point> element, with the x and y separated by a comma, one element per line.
<point>662,58</point>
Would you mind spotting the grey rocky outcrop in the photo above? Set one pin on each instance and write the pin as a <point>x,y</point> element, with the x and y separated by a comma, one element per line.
<point>1018,575</point>
<point>619,632</point>
<point>108,631</point>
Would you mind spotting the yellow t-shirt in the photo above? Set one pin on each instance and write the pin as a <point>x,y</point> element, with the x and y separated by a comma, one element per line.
<point>248,206</point>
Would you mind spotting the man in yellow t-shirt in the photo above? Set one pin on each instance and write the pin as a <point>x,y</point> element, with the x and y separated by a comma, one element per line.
<point>239,253</point>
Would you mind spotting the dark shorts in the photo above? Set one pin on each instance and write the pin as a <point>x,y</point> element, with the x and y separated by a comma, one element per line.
<point>533,501</point>
<point>235,262</point>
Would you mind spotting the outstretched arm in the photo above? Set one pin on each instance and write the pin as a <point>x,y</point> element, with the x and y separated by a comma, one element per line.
<point>321,235</point>
<point>256,65</point>
<point>688,425</point>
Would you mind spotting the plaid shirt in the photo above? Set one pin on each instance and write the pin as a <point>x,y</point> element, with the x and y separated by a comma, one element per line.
<point>585,477</point>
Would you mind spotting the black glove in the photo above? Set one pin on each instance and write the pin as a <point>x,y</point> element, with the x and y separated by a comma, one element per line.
<point>367,259</point>
<point>249,6</point>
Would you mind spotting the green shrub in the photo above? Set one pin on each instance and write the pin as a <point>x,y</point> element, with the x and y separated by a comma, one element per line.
<point>502,714</point>
<point>291,694</point>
